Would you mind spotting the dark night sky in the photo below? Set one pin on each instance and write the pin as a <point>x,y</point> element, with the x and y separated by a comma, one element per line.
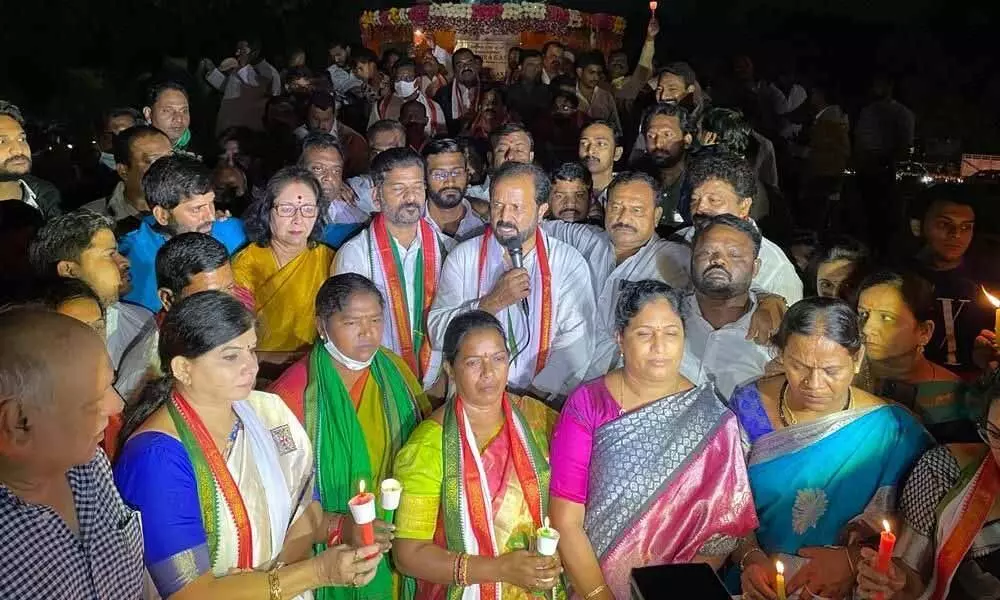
<point>942,52</point>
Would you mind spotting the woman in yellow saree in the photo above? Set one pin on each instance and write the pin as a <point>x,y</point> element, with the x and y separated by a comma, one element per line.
<point>285,264</point>
<point>475,479</point>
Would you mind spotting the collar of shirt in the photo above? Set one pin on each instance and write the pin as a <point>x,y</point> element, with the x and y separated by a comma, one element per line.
<point>119,206</point>
<point>28,195</point>
<point>692,310</point>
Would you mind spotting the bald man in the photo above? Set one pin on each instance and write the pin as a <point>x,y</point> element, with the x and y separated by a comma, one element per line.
<point>64,531</point>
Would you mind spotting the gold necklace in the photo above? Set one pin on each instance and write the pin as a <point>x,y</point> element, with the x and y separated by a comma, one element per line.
<point>785,413</point>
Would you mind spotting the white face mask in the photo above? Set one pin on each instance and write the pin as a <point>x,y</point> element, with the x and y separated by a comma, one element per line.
<point>405,89</point>
<point>347,361</point>
<point>108,160</point>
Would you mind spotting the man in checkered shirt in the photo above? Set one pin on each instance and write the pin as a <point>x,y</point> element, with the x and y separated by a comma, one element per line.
<point>64,532</point>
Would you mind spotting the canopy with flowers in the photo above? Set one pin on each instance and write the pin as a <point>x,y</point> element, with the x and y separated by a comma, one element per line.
<point>533,22</point>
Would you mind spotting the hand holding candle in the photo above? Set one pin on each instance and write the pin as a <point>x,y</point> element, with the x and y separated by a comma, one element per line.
<point>779,580</point>
<point>996,304</point>
<point>363,510</point>
<point>391,492</point>
<point>547,539</point>
<point>886,544</point>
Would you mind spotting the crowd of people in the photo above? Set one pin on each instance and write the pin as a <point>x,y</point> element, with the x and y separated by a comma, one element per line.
<point>601,298</point>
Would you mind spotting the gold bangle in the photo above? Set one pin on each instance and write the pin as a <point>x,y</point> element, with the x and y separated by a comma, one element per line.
<point>273,585</point>
<point>463,575</point>
<point>747,554</point>
<point>596,592</point>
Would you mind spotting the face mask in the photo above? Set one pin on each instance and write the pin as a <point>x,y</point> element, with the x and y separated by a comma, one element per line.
<point>108,160</point>
<point>347,361</point>
<point>405,89</point>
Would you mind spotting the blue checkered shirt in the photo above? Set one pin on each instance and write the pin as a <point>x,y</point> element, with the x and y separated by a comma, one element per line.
<point>42,559</point>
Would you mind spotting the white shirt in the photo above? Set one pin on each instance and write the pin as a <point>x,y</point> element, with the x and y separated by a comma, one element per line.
<point>359,255</point>
<point>776,275</point>
<point>479,192</point>
<point>364,189</point>
<point>131,336</point>
<point>230,84</point>
<point>659,260</point>
<point>723,355</point>
<point>469,227</point>
<point>571,333</point>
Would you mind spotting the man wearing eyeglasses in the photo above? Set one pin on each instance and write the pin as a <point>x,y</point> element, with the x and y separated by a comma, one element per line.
<point>449,211</point>
<point>401,252</point>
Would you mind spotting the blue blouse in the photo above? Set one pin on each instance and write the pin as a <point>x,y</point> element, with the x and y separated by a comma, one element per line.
<point>753,419</point>
<point>155,477</point>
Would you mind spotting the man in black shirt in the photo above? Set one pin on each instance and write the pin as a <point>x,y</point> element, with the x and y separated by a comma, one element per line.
<point>945,222</point>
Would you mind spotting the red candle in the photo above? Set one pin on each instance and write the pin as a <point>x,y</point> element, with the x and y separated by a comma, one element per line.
<point>885,546</point>
<point>363,510</point>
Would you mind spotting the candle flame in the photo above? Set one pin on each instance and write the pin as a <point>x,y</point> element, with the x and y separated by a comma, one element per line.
<point>653,5</point>
<point>418,32</point>
<point>885,524</point>
<point>361,487</point>
<point>780,567</point>
<point>993,299</point>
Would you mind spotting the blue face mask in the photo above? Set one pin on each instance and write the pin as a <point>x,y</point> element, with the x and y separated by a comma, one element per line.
<point>108,160</point>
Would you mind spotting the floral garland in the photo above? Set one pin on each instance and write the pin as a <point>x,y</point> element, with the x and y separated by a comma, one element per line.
<point>513,17</point>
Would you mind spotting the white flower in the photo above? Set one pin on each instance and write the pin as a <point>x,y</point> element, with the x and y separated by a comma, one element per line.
<point>575,19</point>
<point>810,506</point>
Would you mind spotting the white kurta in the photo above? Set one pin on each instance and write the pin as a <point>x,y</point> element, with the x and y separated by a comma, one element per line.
<point>777,274</point>
<point>723,354</point>
<point>359,255</point>
<point>659,259</point>
<point>469,227</point>
<point>571,335</point>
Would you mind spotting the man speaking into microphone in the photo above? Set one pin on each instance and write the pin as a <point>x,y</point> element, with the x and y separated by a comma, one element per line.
<point>538,287</point>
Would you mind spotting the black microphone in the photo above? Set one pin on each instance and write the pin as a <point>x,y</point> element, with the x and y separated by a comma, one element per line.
<point>517,261</point>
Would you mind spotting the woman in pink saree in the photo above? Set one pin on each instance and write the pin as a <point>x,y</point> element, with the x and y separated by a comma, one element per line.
<point>647,468</point>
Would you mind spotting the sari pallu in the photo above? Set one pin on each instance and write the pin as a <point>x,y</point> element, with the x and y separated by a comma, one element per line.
<point>960,517</point>
<point>667,482</point>
<point>812,481</point>
<point>358,444</point>
<point>284,297</point>
<point>474,521</point>
<point>196,521</point>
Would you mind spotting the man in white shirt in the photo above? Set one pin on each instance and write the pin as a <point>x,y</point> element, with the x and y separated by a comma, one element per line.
<point>628,249</point>
<point>546,306</point>
<point>401,253</point>
<point>717,315</point>
<point>323,156</point>
<point>448,210</point>
<point>382,135</point>
<point>725,184</point>
<point>405,89</point>
<point>246,81</point>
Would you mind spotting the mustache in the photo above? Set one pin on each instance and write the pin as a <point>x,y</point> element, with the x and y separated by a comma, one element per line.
<point>17,157</point>
<point>716,267</point>
<point>506,224</point>
<point>449,190</point>
<point>624,226</point>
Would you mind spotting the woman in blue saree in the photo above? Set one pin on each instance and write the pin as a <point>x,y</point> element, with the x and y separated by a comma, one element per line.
<point>825,458</point>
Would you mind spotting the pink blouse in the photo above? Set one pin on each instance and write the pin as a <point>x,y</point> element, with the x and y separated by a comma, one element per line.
<point>589,407</point>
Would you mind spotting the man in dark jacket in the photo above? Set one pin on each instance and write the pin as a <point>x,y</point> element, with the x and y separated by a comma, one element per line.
<point>16,183</point>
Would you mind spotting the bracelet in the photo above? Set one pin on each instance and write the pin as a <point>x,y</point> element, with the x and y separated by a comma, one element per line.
<point>747,554</point>
<point>335,531</point>
<point>273,585</point>
<point>463,571</point>
<point>596,592</point>
<point>456,569</point>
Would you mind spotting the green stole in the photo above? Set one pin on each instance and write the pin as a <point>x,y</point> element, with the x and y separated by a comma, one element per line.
<point>339,446</point>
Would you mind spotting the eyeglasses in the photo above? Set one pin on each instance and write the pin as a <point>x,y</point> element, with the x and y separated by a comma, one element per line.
<point>989,434</point>
<point>442,175</point>
<point>288,210</point>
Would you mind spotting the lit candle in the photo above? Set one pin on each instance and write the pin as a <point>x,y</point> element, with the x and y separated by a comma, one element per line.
<point>363,510</point>
<point>652,7</point>
<point>996,304</point>
<point>779,580</point>
<point>547,539</point>
<point>391,491</point>
<point>885,546</point>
